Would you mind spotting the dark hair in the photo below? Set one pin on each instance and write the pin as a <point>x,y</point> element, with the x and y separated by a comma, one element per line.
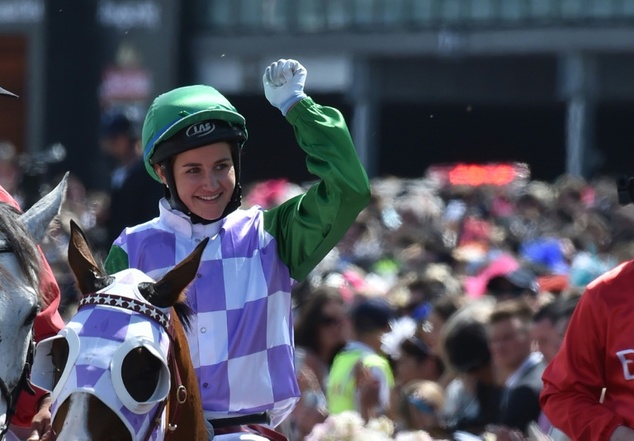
<point>371,314</point>
<point>114,123</point>
<point>445,306</point>
<point>512,308</point>
<point>464,337</point>
<point>416,348</point>
<point>467,347</point>
<point>310,316</point>
<point>566,306</point>
<point>549,311</point>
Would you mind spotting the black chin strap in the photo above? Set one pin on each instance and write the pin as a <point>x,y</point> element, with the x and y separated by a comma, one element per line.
<point>11,396</point>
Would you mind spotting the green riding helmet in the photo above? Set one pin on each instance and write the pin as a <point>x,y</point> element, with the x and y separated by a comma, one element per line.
<point>192,115</point>
<point>184,119</point>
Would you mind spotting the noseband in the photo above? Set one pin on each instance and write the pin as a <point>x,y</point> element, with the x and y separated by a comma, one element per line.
<point>167,323</point>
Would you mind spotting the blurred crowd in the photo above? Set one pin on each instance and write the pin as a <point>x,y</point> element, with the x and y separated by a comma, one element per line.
<point>465,292</point>
<point>436,314</point>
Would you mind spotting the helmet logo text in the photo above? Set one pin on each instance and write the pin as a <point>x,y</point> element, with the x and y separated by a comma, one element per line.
<point>200,129</point>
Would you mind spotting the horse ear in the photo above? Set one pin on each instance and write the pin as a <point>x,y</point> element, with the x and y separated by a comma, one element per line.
<point>89,276</point>
<point>167,290</point>
<point>37,218</point>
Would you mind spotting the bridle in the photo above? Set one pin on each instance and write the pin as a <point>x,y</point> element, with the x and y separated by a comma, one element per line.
<point>11,395</point>
<point>167,323</point>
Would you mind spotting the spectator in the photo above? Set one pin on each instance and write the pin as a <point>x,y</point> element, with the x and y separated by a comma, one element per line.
<point>321,331</point>
<point>415,361</point>
<point>520,283</point>
<point>311,409</point>
<point>419,407</point>
<point>543,331</point>
<point>440,311</point>
<point>548,329</point>
<point>134,195</point>
<point>518,367</point>
<point>472,399</point>
<point>361,377</point>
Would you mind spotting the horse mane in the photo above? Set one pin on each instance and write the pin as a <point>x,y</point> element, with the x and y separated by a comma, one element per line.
<point>184,313</point>
<point>21,244</point>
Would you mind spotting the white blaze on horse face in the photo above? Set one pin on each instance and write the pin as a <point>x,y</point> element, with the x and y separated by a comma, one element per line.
<point>17,300</point>
<point>75,427</point>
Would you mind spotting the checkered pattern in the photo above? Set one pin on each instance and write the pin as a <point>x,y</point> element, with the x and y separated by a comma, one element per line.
<point>241,337</point>
<point>101,329</point>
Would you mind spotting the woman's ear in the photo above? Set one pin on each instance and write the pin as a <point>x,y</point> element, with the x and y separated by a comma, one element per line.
<point>159,172</point>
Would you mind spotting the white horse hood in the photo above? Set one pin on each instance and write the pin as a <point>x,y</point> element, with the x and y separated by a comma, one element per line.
<point>106,328</point>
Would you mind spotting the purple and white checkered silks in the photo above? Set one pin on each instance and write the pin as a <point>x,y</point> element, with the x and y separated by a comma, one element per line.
<point>241,337</point>
<point>99,337</point>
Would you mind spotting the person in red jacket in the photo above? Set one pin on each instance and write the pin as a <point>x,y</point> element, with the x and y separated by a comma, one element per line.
<point>32,414</point>
<point>588,388</point>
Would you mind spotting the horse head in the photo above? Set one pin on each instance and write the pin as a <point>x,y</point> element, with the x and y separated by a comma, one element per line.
<point>120,369</point>
<point>20,294</point>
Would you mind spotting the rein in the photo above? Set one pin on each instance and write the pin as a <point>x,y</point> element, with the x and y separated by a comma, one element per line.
<point>167,323</point>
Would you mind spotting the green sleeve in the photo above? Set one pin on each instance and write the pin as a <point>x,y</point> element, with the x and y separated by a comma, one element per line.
<point>117,260</point>
<point>308,226</point>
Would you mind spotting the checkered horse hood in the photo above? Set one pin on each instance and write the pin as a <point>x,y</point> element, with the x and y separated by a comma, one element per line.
<point>108,325</point>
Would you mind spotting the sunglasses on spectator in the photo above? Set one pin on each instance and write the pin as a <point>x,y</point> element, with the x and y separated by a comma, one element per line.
<point>421,405</point>
<point>415,347</point>
<point>327,320</point>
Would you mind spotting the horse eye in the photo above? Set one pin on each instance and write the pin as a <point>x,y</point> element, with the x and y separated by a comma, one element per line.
<point>140,372</point>
<point>28,321</point>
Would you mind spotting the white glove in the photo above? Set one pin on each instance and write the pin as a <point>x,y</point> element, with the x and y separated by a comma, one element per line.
<point>284,84</point>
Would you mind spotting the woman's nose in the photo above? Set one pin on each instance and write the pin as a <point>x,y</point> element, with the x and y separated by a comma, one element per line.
<point>211,180</point>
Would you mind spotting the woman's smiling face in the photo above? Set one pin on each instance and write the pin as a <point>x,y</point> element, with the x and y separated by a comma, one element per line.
<point>205,178</point>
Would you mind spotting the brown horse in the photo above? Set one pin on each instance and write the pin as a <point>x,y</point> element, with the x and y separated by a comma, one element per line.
<point>121,368</point>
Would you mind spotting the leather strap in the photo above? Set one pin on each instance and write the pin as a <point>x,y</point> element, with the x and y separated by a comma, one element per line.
<point>181,394</point>
<point>256,418</point>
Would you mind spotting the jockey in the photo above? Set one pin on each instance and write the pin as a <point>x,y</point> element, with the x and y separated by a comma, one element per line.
<point>33,411</point>
<point>241,337</point>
